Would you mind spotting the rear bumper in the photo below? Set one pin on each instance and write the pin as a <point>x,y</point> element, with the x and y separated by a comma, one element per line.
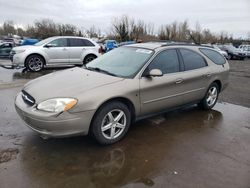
<point>53,125</point>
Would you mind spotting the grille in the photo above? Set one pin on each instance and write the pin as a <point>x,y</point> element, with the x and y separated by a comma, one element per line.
<point>27,98</point>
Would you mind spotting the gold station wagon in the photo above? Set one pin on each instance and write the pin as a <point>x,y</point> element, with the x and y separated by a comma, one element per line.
<point>107,95</point>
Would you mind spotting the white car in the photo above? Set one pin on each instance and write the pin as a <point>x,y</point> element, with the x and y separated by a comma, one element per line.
<point>246,49</point>
<point>55,51</point>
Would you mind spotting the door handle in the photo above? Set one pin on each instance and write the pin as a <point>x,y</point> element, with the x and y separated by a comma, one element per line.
<point>178,81</point>
<point>208,74</point>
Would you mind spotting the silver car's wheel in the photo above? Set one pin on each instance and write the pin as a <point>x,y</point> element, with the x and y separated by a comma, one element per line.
<point>113,124</point>
<point>88,58</point>
<point>212,96</point>
<point>35,63</point>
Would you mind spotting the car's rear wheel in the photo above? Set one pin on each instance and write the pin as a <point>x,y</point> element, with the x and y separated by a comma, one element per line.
<point>211,97</point>
<point>88,58</point>
<point>111,123</point>
<point>34,63</point>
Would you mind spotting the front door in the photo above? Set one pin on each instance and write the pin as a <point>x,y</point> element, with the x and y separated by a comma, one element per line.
<point>57,51</point>
<point>159,93</point>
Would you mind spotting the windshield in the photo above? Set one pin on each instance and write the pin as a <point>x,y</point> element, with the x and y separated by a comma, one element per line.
<point>123,61</point>
<point>42,42</point>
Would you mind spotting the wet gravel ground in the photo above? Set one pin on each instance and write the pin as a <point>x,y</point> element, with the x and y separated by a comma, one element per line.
<point>184,148</point>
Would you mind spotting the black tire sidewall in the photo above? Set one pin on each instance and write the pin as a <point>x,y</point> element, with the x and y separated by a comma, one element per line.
<point>33,56</point>
<point>88,56</point>
<point>204,103</point>
<point>100,114</point>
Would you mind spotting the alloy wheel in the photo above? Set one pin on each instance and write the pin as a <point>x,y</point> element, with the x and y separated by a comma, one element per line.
<point>113,124</point>
<point>212,96</point>
<point>35,64</point>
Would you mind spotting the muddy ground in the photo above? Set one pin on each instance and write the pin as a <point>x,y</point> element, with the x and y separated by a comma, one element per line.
<point>184,148</point>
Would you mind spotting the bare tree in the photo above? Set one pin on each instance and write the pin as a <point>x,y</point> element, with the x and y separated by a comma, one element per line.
<point>138,30</point>
<point>8,28</point>
<point>93,32</point>
<point>120,27</point>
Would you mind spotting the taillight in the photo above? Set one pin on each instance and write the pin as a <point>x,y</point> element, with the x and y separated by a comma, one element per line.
<point>100,50</point>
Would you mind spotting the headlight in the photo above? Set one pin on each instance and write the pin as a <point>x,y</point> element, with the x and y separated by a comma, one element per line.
<point>57,105</point>
<point>19,51</point>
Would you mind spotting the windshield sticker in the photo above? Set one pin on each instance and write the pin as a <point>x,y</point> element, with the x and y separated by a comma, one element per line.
<point>144,51</point>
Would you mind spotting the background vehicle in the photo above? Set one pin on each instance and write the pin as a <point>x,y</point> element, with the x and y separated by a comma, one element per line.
<point>245,49</point>
<point>126,84</point>
<point>29,42</point>
<point>233,53</point>
<point>110,45</point>
<point>222,52</point>
<point>5,49</point>
<point>126,43</point>
<point>55,51</point>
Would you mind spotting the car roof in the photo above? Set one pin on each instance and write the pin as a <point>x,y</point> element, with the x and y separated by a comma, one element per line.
<point>69,37</point>
<point>156,45</point>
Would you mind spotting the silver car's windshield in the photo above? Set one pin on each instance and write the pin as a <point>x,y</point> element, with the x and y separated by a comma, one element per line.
<point>122,62</point>
<point>42,42</point>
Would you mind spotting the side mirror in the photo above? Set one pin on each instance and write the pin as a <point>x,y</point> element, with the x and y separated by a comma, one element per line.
<point>49,45</point>
<point>155,73</point>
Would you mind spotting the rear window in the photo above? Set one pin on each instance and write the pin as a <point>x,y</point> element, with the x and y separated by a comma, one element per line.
<point>192,60</point>
<point>214,56</point>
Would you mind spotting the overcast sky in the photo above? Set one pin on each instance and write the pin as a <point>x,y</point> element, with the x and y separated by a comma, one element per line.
<point>232,16</point>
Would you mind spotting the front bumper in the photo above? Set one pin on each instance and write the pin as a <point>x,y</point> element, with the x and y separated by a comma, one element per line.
<point>53,125</point>
<point>17,60</point>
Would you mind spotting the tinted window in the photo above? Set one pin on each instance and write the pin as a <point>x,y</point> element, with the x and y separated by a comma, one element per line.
<point>59,42</point>
<point>216,57</point>
<point>167,61</point>
<point>7,45</point>
<point>192,60</point>
<point>80,42</point>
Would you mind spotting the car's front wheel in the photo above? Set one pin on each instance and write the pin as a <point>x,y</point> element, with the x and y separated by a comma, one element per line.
<point>111,123</point>
<point>211,97</point>
<point>34,63</point>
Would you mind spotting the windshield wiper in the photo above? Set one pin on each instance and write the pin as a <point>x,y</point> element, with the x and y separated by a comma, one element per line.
<point>100,70</point>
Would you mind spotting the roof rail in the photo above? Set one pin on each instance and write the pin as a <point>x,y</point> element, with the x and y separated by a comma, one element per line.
<point>182,43</point>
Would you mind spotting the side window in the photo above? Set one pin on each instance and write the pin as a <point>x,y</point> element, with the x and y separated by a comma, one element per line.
<point>59,42</point>
<point>214,56</point>
<point>192,60</point>
<point>7,45</point>
<point>167,61</point>
<point>80,42</point>
<point>87,42</point>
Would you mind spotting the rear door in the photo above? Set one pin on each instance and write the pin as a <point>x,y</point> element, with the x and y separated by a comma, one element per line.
<point>196,76</point>
<point>78,49</point>
<point>159,93</point>
<point>57,51</point>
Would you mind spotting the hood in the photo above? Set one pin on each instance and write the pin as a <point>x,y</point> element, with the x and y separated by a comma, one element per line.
<point>24,47</point>
<point>67,83</point>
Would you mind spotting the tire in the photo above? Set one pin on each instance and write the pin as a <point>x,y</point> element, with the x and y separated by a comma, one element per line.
<point>88,58</point>
<point>210,98</point>
<point>105,128</point>
<point>34,63</point>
